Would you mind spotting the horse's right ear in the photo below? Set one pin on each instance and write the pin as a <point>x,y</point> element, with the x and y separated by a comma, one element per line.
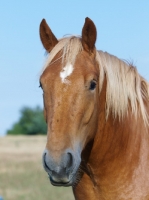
<point>48,39</point>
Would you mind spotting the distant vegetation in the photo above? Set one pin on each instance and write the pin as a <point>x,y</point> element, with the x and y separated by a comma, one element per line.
<point>31,122</point>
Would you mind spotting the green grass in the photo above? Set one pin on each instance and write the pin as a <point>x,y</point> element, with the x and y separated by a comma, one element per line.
<point>22,176</point>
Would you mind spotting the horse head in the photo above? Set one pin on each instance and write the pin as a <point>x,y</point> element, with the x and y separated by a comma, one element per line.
<point>70,92</point>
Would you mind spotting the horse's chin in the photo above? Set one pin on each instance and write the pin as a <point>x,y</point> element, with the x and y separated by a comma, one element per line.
<point>66,183</point>
<point>63,184</point>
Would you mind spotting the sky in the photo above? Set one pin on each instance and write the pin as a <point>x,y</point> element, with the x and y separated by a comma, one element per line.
<point>122,30</point>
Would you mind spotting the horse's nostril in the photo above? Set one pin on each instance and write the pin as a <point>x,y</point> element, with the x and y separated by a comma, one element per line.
<point>69,161</point>
<point>44,162</point>
<point>44,157</point>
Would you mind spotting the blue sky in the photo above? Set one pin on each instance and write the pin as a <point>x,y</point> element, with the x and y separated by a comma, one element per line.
<point>122,27</point>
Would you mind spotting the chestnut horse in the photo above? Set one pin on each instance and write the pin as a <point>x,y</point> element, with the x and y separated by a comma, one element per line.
<point>97,111</point>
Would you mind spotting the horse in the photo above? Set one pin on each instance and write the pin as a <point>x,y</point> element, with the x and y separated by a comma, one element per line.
<point>96,107</point>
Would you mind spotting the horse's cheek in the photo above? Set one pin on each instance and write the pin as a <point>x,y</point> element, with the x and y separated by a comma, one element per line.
<point>88,113</point>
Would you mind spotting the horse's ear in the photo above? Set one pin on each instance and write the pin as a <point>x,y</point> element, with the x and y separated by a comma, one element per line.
<point>48,39</point>
<point>89,35</point>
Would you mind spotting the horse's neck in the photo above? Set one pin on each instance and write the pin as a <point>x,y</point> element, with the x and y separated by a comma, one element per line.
<point>120,140</point>
<point>120,154</point>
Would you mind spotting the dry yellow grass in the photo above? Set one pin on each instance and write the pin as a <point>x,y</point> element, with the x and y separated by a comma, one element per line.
<point>22,176</point>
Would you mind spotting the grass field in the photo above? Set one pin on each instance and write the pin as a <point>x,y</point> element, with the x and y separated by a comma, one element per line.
<point>22,176</point>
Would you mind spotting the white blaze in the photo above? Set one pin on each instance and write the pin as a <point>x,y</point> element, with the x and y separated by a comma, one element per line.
<point>67,70</point>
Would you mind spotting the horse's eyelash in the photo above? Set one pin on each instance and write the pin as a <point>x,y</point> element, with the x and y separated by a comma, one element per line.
<point>40,85</point>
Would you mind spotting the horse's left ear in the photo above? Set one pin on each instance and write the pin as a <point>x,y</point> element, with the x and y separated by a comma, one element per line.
<point>89,35</point>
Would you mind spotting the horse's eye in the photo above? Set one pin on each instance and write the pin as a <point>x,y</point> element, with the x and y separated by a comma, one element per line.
<point>40,85</point>
<point>92,85</point>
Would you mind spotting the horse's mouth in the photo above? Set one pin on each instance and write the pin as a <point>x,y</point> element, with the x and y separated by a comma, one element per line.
<point>61,183</point>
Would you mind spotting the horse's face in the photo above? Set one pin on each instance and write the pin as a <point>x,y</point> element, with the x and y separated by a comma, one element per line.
<point>70,95</point>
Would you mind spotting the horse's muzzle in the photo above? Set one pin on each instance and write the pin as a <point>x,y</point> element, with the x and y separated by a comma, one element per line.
<point>61,171</point>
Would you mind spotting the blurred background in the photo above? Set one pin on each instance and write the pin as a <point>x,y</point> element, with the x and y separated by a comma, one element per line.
<point>123,30</point>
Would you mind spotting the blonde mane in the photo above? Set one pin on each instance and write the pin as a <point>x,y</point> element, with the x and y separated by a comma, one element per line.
<point>125,87</point>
